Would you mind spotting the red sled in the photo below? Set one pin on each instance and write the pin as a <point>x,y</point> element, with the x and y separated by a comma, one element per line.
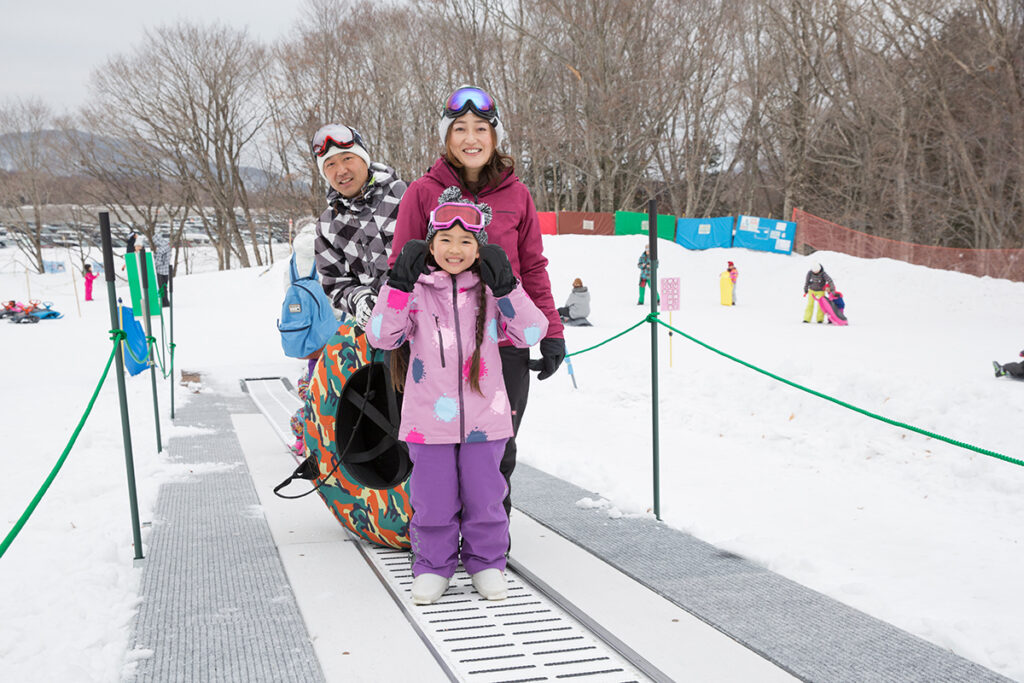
<point>834,314</point>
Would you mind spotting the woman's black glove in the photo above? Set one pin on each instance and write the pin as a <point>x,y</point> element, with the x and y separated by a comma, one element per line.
<point>552,353</point>
<point>410,264</point>
<point>496,271</point>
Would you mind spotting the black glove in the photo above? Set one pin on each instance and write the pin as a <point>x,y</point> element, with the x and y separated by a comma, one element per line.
<point>496,271</point>
<point>552,353</point>
<point>410,264</point>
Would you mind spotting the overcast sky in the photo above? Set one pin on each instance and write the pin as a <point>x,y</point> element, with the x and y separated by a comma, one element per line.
<point>48,48</point>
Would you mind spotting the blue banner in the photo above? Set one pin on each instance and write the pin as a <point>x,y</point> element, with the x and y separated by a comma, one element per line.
<point>135,343</point>
<point>704,233</point>
<point>765,234</point>
<point>53,266</point>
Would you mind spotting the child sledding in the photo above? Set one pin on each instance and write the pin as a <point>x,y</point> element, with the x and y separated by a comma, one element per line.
<point>1015,370</point>
<point>30,313</point>
<point>577,306</point>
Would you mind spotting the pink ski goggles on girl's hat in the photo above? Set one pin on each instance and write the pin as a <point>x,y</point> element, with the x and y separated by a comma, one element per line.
<point>448,214</point>
<point>469,216</point>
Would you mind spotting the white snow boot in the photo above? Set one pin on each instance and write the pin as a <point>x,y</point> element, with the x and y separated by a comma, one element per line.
<point>428,588</point>
<point>490,583</point>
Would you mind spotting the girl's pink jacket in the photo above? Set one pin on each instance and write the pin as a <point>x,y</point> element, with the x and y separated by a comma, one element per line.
<point>438,318</point>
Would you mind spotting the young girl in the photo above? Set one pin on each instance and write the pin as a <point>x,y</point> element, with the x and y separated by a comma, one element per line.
<point>453,297</point>
<point>89,277</point>
<point>734,275</point>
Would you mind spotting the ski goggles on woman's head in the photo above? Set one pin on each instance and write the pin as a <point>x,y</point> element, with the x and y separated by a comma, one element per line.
<point>448,214</point>
<point>470,99</point>
<point>334,135</point>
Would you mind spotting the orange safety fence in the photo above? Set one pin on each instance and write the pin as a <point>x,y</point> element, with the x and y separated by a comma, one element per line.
<point>821,234</point>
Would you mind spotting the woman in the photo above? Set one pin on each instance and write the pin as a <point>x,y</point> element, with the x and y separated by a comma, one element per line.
<point>471,133</point>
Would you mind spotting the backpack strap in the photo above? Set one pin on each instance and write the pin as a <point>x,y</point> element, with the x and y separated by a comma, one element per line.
<point>291,266</point>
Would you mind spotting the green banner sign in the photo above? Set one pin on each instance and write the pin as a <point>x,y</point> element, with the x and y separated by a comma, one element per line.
<point>131,262</point>
<point>634,223</point>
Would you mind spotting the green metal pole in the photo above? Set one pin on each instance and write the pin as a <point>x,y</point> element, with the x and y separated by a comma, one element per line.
<point>652,241</point>
<point>149,336</point>
<point>170,314</point>
<point>126,432</point>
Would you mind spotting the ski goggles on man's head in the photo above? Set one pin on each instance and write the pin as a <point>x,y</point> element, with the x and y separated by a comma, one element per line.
<point>470,99</point>
<point>448,214</point>
<point>334,135</point>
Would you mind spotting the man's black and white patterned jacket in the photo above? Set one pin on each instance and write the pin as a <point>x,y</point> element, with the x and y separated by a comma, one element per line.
<point>353,238</point>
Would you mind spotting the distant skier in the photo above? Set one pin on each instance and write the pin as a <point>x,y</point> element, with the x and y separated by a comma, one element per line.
<point>89,277</point>
<point>1015,370</point>
<point>644,264</point>
<point>815,284</point>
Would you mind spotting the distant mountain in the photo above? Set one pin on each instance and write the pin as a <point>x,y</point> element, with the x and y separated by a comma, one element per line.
<point>110,151</point>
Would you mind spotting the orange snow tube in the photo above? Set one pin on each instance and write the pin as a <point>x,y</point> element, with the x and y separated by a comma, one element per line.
<point>379,515</point>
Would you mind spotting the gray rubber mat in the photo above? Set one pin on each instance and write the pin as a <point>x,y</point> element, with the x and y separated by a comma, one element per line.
<point>216,604</point>
<point>804,632</point>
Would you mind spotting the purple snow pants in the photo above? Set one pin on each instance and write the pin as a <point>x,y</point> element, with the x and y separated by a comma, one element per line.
<point>449,479</point>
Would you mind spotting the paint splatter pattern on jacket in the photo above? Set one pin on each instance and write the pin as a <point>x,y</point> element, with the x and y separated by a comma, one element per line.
<point>439,320</point>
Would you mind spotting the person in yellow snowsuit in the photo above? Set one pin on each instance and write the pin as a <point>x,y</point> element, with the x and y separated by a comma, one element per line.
<point>815,284</point>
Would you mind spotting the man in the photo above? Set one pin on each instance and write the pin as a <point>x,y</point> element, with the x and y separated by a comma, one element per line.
<point>355,231</point>
<point>353,238</point>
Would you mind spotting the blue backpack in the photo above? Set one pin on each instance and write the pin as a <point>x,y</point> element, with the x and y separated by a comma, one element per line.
<point>307,320</point>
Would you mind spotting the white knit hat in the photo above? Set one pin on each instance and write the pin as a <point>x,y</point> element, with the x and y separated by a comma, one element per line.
<point>356,149</point>
<point>446,123</point>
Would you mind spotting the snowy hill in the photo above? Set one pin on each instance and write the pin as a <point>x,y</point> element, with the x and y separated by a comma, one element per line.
<point>920,533</point>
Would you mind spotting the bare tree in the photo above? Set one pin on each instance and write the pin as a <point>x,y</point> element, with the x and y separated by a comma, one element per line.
<point>28,151</point>
<point>191,92</point>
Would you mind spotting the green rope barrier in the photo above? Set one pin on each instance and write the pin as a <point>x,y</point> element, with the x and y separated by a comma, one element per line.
<point>128,347</point>
<point>116,336</point>
<point>653,317</point>
<point>163,336</point>
<point>159,360</point>
<point>591,348</point>
<point>844,404</point>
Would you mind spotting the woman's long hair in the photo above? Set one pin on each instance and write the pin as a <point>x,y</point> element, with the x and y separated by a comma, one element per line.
<point>399,360</point>
<point>492,172</point>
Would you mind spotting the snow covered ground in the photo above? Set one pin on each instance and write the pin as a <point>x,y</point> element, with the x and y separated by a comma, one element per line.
<point>922,534</point>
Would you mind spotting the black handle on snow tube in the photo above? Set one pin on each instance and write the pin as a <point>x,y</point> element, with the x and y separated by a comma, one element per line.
<point>378,418</point>
<point>376,458</point>
<point>310,467</point>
